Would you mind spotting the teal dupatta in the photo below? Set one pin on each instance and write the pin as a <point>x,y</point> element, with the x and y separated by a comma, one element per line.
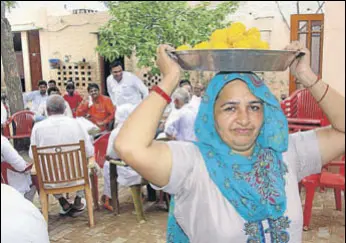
<point>255,185</point>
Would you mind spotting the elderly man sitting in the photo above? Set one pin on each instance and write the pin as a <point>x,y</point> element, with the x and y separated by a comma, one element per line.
<point>60,129</point>
<point>182,127</point>
<point>97,108</point>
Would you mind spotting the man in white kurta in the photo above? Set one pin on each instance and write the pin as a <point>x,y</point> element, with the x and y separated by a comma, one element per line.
<point>60,129</point>
<point>21,221</point>
<point>20,181</point>
<point>196,97</point>
<point>36,97</point>
<point>182,127</point>
<point>124,87</point>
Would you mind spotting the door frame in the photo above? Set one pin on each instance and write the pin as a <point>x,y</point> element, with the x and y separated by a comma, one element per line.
<point>295,18</point>
<point>34,50</point>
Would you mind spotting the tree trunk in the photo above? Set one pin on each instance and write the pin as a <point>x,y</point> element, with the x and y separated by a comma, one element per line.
<point>9,62</point>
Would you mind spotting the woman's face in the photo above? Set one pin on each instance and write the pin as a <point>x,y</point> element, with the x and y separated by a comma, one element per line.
<point>238,117</point>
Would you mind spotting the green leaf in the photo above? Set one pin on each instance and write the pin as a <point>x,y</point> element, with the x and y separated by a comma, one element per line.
<point>143,25</point>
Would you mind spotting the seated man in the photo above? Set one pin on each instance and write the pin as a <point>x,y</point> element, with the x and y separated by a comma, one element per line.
<point>182,128</point>
<point>21,221</point>
<point>97,108</point>
<point>73,98</point>
<point>60,129</point>
<point>52,84</point>
<point>42,109</point>
<point>36,98</point>
<point>20,181</point>
<point>126,175</point>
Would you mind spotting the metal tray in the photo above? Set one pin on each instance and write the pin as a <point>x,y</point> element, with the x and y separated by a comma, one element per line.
<point>235,60</point>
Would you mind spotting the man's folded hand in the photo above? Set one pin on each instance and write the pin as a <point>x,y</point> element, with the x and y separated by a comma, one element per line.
<point>94,166</point>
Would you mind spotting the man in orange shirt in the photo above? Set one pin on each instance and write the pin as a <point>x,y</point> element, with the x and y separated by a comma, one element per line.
<point>99,109</point>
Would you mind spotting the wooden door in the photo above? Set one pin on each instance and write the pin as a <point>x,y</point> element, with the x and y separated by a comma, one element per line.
<point>308,29</point>
<point>35,58</point>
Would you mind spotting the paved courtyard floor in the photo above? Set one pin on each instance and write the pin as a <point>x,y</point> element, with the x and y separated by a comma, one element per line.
<point>327,224</point>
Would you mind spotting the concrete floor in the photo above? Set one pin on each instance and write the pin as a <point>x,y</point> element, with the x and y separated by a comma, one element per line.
<point>327,224</point>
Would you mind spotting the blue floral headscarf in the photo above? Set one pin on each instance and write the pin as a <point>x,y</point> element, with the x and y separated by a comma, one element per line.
<point>254,185</point>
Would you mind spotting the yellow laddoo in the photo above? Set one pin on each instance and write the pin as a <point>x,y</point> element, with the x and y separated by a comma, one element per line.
<point>202,45</point>
<point>183,48</point>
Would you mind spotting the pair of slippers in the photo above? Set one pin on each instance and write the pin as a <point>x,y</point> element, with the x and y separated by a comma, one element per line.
<point>72,210</point>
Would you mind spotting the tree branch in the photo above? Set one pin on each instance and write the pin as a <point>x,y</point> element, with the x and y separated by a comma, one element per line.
<point>320,6</point>
<point>282,15</point>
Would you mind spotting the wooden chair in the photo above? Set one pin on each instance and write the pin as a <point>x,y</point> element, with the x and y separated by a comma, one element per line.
<point>62,169</point>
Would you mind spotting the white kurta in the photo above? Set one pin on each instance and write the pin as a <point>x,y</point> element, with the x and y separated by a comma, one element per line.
<point>130,90</point>
<point>20,181</point>
<point>195,103</point>
<point>182,127</point>
<point>21,221</point>
<point>36,99</point>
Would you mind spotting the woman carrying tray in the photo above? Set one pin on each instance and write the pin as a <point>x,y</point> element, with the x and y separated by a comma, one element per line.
<point>239,182</point>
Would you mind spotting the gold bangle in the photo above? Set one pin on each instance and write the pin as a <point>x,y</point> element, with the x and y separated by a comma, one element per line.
<point>324,95</point>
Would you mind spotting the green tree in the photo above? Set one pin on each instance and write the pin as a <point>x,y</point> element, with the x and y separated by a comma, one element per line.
<point>12,79</point>
<point>141,26</point>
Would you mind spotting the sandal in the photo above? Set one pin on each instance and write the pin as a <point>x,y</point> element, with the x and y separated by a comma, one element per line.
<point>107,205</point>
<point>65,206</point>
<point>79,204</point>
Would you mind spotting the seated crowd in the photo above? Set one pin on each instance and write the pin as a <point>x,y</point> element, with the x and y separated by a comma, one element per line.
<point>55,123</point>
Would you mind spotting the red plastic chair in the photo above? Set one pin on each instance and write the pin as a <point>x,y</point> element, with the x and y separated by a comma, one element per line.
<point>303,108</point>
<point>297,125</point>
<point>100,149</point>
<point>22,123</point>
<point>322,180</point>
